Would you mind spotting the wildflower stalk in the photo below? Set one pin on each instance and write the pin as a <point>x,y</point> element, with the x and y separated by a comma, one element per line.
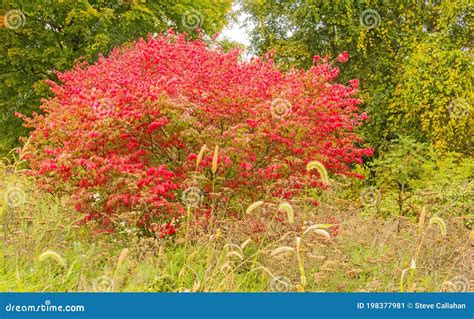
<point>422,232</point>
<point>186,240</point>
<point>299,254</point>
<point>215,162</point>
<point>188,219</point>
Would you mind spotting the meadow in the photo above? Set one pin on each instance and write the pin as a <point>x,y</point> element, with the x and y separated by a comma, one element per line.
<point>329,151</point>
<point>44,248</point>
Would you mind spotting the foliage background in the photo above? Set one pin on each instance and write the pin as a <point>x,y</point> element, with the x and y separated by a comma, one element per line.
<point>58,33</point>
<point>414,59</point>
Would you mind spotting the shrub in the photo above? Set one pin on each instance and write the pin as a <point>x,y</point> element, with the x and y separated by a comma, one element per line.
<point>123,135</point>
<point>401,168</point>
<point>410,175</point>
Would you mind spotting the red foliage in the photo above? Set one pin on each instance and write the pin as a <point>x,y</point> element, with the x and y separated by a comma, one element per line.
<point>343,57</point>
<point>335,228</point>
<point>123,134</point>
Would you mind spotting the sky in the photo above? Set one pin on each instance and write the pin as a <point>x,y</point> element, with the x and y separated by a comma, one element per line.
<point>236,31</point>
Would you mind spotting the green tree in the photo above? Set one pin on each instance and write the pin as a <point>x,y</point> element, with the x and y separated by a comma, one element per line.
<point>433,95</point>
<point>401,168</point>
<point>37,37</point>
<point>381,37</point>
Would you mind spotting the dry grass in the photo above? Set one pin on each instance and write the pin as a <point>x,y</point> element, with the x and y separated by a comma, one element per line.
<point>43,249</point>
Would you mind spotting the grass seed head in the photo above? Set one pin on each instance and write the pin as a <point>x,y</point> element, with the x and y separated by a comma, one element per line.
<point>49,254</point>
<point>320,168</point>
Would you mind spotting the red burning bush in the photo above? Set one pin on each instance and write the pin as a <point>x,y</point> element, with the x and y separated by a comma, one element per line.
<point>123,134</point>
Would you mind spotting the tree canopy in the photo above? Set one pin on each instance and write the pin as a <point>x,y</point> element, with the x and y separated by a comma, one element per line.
<point>414,58</point>
<point>36,39</point>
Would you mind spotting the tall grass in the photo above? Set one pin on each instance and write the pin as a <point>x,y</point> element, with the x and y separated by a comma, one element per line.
<point>45,249</point>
